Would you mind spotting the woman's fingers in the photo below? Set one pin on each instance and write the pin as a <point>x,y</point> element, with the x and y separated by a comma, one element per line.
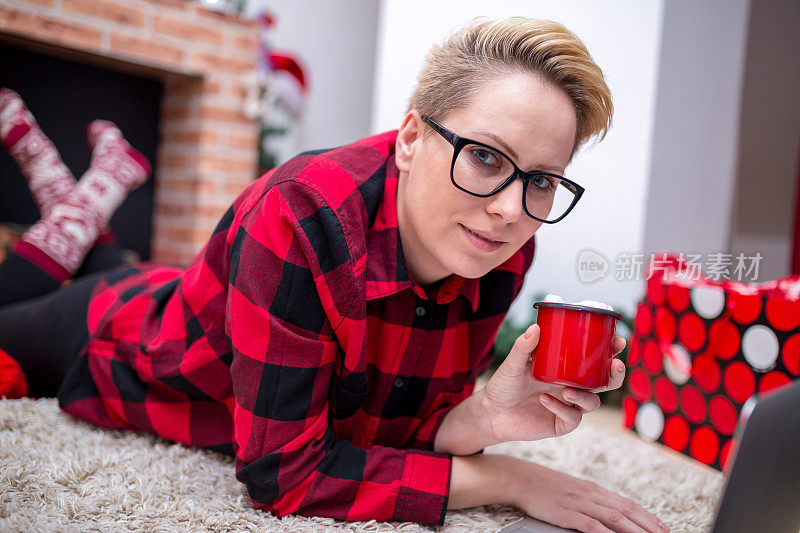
<point>585,400</point>
<point>645,520</point>
<point>619,344</point>
<point>518,358</point>
<point>570,416</point>
<point>614,519</point>
<point>617,374</point>
<point>581,522</point>
<point>604,511</point>
<point>598,517</point>
<point>579,504</point>
<point>616,378</point>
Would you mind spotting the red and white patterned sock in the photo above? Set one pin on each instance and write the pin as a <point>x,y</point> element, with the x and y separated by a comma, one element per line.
<point>48,177</point>
<point>102,130</point>
<point>59,242</point>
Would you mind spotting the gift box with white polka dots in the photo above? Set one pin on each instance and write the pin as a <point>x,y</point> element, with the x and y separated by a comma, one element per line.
<point>700,351</point>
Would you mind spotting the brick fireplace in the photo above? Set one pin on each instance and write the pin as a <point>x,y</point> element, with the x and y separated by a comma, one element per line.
<point>207,147</point>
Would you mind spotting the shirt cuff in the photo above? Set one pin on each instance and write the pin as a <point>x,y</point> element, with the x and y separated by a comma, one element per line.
<point>424,488</point>
<point>425,436</point>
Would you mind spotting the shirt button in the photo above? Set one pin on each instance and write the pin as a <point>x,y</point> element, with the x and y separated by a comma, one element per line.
<point>399,382</point>
<point>420,311</point>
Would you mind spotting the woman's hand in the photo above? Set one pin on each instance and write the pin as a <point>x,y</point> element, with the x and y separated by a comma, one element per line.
<point>545,494</point>
<point>517,407</point>
<point>569,502</point>
<point>513,406</point>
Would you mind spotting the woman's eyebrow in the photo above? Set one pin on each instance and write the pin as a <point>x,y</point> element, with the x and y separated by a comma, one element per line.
<point>510,151</point>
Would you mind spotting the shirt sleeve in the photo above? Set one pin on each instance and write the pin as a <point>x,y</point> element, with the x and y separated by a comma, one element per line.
<point>291,290</point>
<point>425,435</point>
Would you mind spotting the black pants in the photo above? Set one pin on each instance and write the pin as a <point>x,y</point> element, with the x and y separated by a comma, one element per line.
<point>42,324</point>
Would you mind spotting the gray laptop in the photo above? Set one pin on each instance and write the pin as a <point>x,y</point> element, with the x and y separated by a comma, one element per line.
<point>762,489</point>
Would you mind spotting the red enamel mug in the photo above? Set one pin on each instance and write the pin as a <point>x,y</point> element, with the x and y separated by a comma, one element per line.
<point>576,345</point>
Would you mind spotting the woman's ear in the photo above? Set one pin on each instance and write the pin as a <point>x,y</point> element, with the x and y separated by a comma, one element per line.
<point>408,138</point>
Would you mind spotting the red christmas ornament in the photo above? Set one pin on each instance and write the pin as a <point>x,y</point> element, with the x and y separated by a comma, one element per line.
<point>12,380</point>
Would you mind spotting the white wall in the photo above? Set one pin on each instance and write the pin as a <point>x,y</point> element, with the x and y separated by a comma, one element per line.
<point>623,37</point>
<point>769,136</point>
<point>693,168</point>
<point>336,42</point>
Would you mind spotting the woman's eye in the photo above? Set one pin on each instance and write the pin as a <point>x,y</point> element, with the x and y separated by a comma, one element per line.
<point>484,157</point>
<point>542,182</point>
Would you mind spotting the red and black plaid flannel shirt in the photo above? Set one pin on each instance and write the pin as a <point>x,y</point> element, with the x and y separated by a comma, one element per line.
<point>297,341</point>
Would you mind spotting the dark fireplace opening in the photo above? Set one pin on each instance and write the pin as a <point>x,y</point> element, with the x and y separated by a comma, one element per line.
<point>64,96</point>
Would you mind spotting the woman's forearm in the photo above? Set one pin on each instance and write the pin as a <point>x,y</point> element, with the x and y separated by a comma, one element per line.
<point>467,428</point>
<point>481,479</point>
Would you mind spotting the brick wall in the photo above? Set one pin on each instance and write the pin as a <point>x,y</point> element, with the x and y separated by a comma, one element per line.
<point>207,149</point>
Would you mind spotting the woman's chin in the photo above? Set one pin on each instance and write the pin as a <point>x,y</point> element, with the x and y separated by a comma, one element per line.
<point>471,270</point>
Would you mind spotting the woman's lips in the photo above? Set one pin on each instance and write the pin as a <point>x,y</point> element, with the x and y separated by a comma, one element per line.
<point>480,242</point>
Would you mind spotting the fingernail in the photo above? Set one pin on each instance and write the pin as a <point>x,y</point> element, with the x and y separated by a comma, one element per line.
<point>545,399</point>
<point>528,333</point>
<point>570,395</point>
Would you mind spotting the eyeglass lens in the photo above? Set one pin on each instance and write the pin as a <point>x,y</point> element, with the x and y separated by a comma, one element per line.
<point>481,170</point>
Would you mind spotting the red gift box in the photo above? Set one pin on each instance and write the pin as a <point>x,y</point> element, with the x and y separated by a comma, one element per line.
<point>700,350</point>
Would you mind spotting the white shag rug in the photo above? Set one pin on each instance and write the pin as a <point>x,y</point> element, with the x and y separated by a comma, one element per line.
<point>60,474</point>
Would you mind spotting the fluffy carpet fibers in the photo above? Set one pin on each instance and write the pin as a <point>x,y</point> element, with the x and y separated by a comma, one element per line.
<point>60,474</point>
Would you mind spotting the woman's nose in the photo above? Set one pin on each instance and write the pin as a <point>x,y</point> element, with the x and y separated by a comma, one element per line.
<point>508,202</point>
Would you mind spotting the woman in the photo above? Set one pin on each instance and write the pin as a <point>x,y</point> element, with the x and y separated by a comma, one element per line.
<point>330,332</point>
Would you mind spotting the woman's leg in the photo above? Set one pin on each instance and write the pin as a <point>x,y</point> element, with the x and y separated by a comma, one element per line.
<point>59,242</point>
<point>104,255</point>
<point>22,280</point>
<point>48,177</point>
<point>45,335</point>
<point>50,182</point>
<point>54,248</point>
<point>42,328</point>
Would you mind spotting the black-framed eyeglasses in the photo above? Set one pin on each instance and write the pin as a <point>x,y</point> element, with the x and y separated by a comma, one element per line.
<point>482,170</point>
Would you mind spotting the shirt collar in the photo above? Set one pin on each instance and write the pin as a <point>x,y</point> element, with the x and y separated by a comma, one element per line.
<point>386,271</point>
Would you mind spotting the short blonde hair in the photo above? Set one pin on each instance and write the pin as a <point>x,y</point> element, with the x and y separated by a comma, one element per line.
<point>454,69</point>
